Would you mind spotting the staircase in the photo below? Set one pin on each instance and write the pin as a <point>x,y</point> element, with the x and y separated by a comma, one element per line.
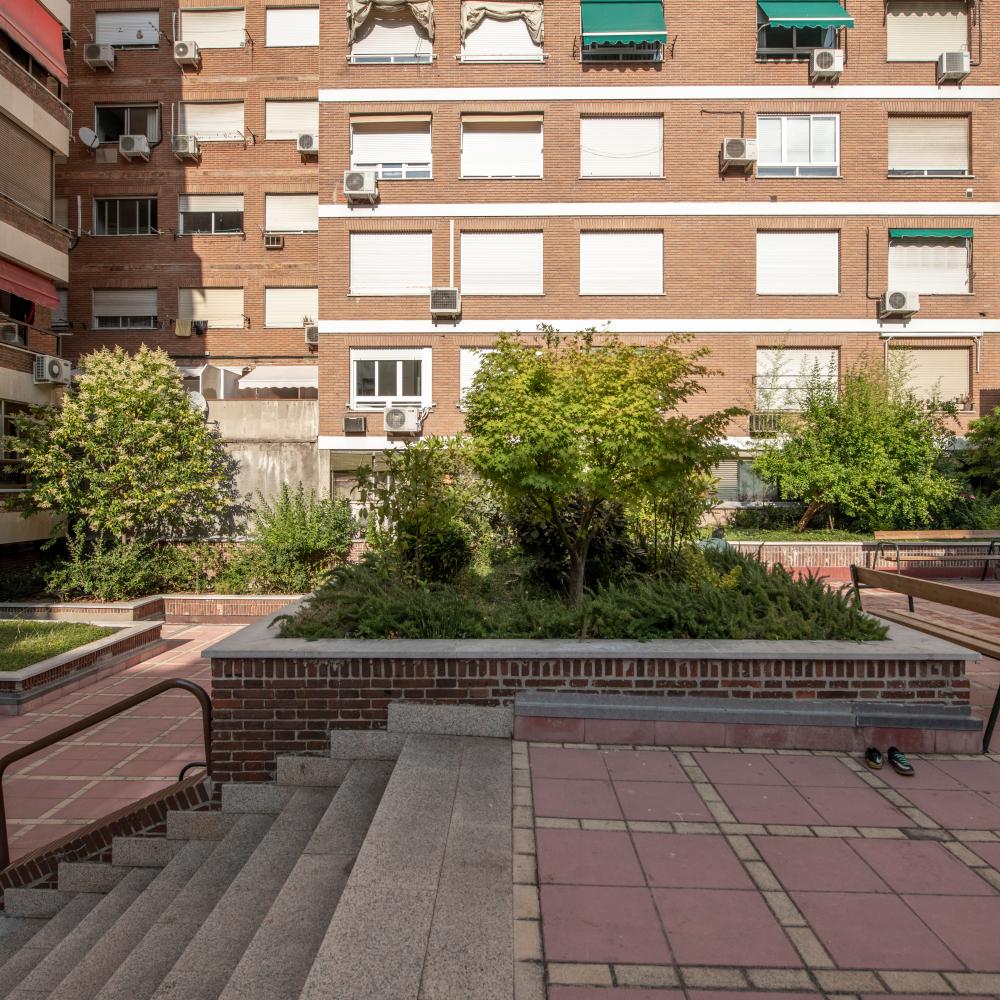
<point>351,877</point>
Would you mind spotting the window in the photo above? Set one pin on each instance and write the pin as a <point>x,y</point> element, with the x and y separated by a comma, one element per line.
<point>929,147</point>
<point>20,310</point>
<point>502,146</point>
<point>290,307</point>
<point>210,214</point>
<point>124,309</point>
<point>798,263</point>
<point>26,169</point>
<point>934,373</point>
<point>502,263</point>
<point>798,145</point>
<point>128,29</point>
<point>517,37</point>
<point>390,376</point>
<point>292,27</point>
<point>395,147</point>
<point>622,31</point>
<point>124,216</point>
<point>13,478</point>
<point>291,213</point>
<point>621,263</point>
<point>287,120</point>
<point>388,37</point>
<point>920,30</point>
<point>469,361</point>
<point>793,30</point>
<point>212,122</point>
<point>621,147</point>
<point>929,265</point>
<point>60,313</point>
<point>216,28</point>
<point>220,308</point>
<point>783,374</point>
<point>391,263</point>
<point>113,121</point>
<point>736,481</point>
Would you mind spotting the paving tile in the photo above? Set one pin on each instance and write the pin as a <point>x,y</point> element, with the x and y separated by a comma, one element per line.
<point>817,863</point>
<point>722,927</point>
<point>979,775</point>
<point>758,803</point>
<point>690,861</point>
<point>817,772</point>
<point>743,995</point>
<point>578,799</point>
<point>920,866</point>
<point>601,924</point>
<point>968,925</point>
<point>961,810</point>
<point>643,765</point>
<point>557,762</point>
<point>661,801</point>
<point>739,768</point>
<point>917,996</point>
<point>990,853</point>
<point>853,807</point>
<point>597,993</point>
<point>587,857</point>
<point>873,931</point>
<point>928,774</point>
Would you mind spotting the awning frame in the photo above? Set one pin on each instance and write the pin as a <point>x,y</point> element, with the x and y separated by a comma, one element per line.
<point>612,39</point>
<point>802,18</point>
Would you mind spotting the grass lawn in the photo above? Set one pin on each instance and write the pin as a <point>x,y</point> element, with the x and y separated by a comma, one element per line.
<point>23,643</point>
<point>787,535</point>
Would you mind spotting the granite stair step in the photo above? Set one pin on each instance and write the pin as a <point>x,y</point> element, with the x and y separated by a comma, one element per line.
<point>15,932</point>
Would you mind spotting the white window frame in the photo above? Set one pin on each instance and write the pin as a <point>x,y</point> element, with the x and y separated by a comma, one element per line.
<point>181,213</point>
<point>290,194</point>
<point>420,291</point>
<point>153,28</point>
<point>380,401</point>
<point>654,237</point>
<point>522,57</point>
<point>277,10</point>
<point>236,135</point>
<point>181,32</point>
<point>503,120</point>
<point>468,274</point>
<point>657,119</point>
<point>274,134</point>
<point>916,241</point>
<point>268,325</point>
<point>765,233</point>
<point>811,170</point>
<point>137,322</point>
<point>932,57</point>
<point>932,171</point>
<point>789,379</point>
<point>398,58</point>
<point>396,170</point>
<point>151,201</point>
<point>128,109</point>
<point>465,354</point>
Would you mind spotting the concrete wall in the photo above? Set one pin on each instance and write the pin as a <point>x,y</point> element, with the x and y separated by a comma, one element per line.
<point>265,465</point>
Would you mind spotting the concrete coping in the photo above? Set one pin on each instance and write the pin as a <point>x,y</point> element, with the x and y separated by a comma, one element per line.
<point>260,641</point>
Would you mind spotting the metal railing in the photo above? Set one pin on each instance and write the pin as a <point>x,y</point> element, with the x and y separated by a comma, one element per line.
<point>44,742</point>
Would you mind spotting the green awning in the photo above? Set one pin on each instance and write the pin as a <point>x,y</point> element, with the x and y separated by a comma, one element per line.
<point>930,234</point>
<point>622,22</point>
<point>806,14</point>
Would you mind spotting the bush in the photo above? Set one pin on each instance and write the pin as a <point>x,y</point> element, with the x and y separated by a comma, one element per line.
<point>970,512</point>
<point>766,518</point>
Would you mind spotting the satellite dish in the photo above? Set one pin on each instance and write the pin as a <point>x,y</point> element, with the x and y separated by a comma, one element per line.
<point>198,401</point>
<point>89,138</point>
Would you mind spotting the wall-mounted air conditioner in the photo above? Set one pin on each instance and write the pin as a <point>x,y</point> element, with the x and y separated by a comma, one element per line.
<point>738,153</point>
<point>307,143</point>
<point>826,64</point>
<point>360,185</point>
<point>953,66</point>
<point>187,54</point>
<point>186,147</point>
<point>355,425</point>
<point>99,56</point>
<point>133,147</point>
<point>52,371</point>
<point>895,303</point>
<point>311,332</point>
<point>403,418</point>
<point>446,302</point>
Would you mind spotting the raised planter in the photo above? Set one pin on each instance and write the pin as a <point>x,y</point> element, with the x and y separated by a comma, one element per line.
<point>236,609</point>
<point>106,612</point>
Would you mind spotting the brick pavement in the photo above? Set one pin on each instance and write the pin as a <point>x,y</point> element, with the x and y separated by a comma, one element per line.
<point>58,790</point>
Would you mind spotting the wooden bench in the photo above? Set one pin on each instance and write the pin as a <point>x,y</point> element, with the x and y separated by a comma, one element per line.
<point>963,598</point>
<point>899,541</point>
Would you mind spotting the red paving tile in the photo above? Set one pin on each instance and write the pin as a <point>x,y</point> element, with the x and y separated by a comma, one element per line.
<point>968,925</point>
<point>555,762</point>
<point>756,803</point>
<point>928,775</point>
<point>817,772</point>
<point>979,775</point>
<point>661,801</point>
<point>592,993</point>
<point>961,810</point>
<point>752,995</point>
<point>587,857</point>
<point>915,866</point>
<point>690,861</point>
<point>643,765</point>
<point>989,853</point>
<point>818,863</point>
<point>739,769</point>
<point>576,799</point>
<point>853,807</point>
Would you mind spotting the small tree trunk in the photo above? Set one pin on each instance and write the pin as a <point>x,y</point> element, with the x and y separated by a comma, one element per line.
<point>810,512</point>
<point>577,569</point>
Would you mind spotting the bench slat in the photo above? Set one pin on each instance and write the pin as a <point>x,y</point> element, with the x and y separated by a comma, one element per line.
<point>941,593</point>
<point>958,636</point>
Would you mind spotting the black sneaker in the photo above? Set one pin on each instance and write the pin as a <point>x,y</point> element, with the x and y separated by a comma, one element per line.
<point>899,762</point>
<point>874,758</point>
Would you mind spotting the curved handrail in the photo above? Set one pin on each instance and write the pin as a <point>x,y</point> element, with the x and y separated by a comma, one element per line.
<point>44,742</point>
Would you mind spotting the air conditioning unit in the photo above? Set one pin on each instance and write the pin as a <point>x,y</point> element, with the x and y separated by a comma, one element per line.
<point>98,56</point>
<point>55,371</point>
<point>185,147</point>
<point>355,425</point>
<point>953,66</point>
<point>10,333</point>
<point>311,331</point>
<point>403,418</point>
<point>133,147</point>
<point>899,304</point>
<point>272,241</point>
<point>187,54</point>
<point>738,153</point>
<point>446,302</point>
<point>826,64</point>
<point>360,185</point>
<point>307,143</point>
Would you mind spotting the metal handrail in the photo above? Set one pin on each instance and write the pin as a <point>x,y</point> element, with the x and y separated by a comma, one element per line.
<point>44,742</point>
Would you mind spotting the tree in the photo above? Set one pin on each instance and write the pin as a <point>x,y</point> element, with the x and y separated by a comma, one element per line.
<point>568,427</point>
<point>870,449</point>
<point>980,460</point>
<point>127,455</point>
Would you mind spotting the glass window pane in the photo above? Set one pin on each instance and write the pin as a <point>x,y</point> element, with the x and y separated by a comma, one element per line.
<point>196,222</point>
<point>769,140</point>
<point>110,124</point>
<point>411,378</point>
<point>229,222</point>
<point>824,140</point>
<point>364,375</point>
<point>387,385</point>
<point>128,216</point>
<point>153,221</point>
<point>144,122</point>
<point>776,38</point>
<point>797,140</point>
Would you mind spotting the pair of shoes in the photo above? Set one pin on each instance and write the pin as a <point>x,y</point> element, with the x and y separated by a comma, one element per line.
<point>875,759</point>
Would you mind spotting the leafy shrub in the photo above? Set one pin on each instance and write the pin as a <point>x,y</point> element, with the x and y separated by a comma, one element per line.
<point>766,517</point>
<point>980,460</point>
<point>970,512</point>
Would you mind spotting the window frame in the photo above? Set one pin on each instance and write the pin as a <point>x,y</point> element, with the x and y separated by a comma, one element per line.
<point>137,45</point>
<point>917,240</point>
<point>144,322</point>
<point>128,109</point>
<point>404,167</point>
<point>501,120</point>
<point>529,58</point>
<point>795,51</point>
<point>932,173</point>
<point>379,401</point>
<point>315,7</point>
<point>182,230</point>
<point>390,58</point>
<point>796,168</point>
<point>798,232</point>
<point>152,211</point>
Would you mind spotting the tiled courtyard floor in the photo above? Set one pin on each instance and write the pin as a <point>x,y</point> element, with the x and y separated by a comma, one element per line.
<point>116,762</point>
<point>658,872</point>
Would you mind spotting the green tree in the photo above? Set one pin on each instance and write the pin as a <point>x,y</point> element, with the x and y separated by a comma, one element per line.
<point>980,461</point>
<point>127,455</point>
<point>569,427</point>
<point>869,449</point>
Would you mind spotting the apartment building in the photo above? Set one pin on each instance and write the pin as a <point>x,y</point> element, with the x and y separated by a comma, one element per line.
<point>794,183</point>
<point>34,267</point>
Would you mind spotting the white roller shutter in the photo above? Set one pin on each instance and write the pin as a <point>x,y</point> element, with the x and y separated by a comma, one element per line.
<point>621,147</point>
<point>290,119</point>
<point>210,203</point>
<point>60,212</point>
<point>502,264</point>
<point>221,28</point>
<point>291,213</point>
<point>123,27</point>
<point>289,307</point>
<point>920,30</point>
<point>941,373</point>
<point>929,266</point>
<point>783,372</point>
<point>391,263</point>
<point>385,35</point>
<point>726,476</point>
<point>621,263</point>
<point>501,41</point>
<point>292,27</point>
<point>937,145</point>
<point>502,148</point>
<point>221,308</point>
<point>469,361</point>
<point>390,142</point>
<point>798,263</point>
<point>124,302</point>
<point>212,121</point>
